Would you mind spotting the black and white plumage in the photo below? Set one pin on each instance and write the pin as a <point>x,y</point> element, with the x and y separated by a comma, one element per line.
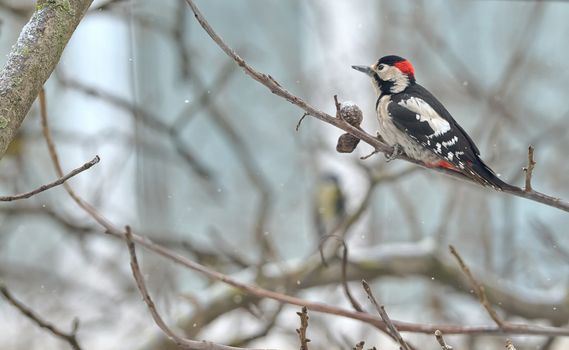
<point>413,120</point>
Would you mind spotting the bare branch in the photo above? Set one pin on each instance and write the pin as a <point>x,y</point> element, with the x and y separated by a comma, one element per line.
<point>55,183</point>
<point>70,337</point>
<point>33,58</point>
<point>368,155</point>
<point>303,314</point>
<point>184,343</point>
<point>181,342</point>
<point>319,307</point>
<point>478,288</point>
<point>441,340</point>
<point>352,300</point>
<point>378,145</point>
<point>529,169</point>
<point>300,121</point>
<point>381,310</point>
<point>360,345</point>
<point>509,345</point>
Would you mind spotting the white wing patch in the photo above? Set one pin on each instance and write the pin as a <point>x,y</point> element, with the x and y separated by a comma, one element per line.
<point>426,113</point>
<point>451,141</point>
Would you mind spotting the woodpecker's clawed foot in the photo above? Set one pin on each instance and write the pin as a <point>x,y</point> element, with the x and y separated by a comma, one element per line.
<point>397,151</point>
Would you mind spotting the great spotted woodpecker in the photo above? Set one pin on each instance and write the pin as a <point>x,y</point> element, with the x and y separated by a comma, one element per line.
<point>412,120</point>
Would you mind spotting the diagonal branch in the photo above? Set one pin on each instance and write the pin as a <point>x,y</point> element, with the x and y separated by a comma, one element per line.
<point>510,345</point>
<point>345,285</point>
<point>303,314</point>
<point>33,58</point>
<point>71,337</point>
<point>478,289</point>
<point>139,279</point>
<point>276,88</point>
<point>381,310</point>
<point>55,183</point>
<point>128,236</point>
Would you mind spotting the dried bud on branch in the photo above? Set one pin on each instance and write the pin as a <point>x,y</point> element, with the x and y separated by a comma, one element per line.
<point>353,115</point>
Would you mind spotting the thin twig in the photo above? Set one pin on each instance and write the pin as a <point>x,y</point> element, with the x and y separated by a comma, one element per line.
<point>278,90</point>
<point>128,236</point>
<point>47,135</point>
<point>510,345</point>
<point>70,338</point>
<point>374,152</point>
<point>360,345</point>
<point>181,342</point>
<point>300,121</point>
<point>328,309</point>
<point>55,183</point>
<point>478,289</point>
<point>319,307</point>
<point>338,106</point>
<point>303,314</point>
<point>441,340</point>
<point>352,300</point>
<point>381,310</point>
<point>529,169</point>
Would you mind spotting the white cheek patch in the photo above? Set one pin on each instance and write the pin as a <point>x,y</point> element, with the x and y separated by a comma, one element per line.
<point>387,73</point>
<point>393,74</point>
<point>426,113</point>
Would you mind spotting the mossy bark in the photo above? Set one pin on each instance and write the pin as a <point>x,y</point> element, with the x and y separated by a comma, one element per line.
<point>32,60</point>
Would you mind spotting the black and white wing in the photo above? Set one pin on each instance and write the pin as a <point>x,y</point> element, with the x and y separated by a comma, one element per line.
<point>422,117</point>
<point>417,113</point>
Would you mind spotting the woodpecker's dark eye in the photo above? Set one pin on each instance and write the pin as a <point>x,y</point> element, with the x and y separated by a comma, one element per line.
<point>381,67</point>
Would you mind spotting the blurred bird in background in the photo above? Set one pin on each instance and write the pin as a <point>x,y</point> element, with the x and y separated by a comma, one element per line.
<point>329,204</point>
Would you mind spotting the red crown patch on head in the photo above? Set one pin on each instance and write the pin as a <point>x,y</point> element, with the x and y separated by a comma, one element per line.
<point>406,67</point>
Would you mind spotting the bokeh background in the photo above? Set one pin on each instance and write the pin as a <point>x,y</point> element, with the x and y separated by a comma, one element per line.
<point>202,159</point>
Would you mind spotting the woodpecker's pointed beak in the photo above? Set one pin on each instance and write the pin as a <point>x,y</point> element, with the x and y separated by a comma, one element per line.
<point>364,69</point>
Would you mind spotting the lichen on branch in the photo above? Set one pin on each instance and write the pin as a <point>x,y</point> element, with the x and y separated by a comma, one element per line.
<point>32,60</point>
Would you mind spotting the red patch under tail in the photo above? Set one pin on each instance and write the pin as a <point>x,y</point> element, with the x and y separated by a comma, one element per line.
<point>442,164</point>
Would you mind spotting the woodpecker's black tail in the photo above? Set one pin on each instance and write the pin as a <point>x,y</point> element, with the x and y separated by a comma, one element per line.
<point>481,173</point>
